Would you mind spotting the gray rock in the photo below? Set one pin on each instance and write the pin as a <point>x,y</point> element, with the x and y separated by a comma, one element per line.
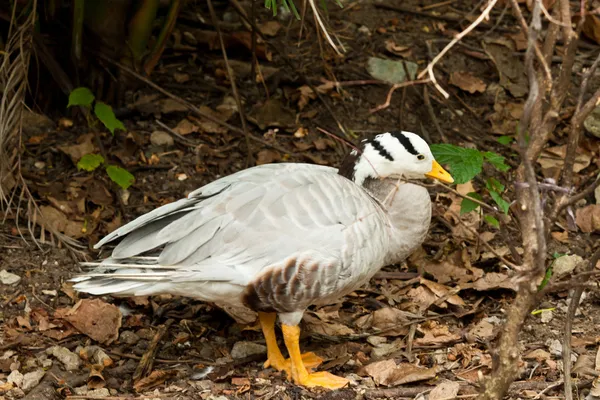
<point>32,379</point>
<point>70,360</point>
<point>8,279</point>
<point>16,378</point>
<point>245,349</point>
<point>566,264</point>
<point>161,138</point>
<point>129,337</point>
<point>592,122</point>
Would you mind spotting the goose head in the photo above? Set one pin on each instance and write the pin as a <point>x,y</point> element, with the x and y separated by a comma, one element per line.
<point>393,155</point>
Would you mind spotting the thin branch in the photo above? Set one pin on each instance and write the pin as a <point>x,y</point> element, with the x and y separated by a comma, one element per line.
<point>429,69</point>
<point>231,76</point>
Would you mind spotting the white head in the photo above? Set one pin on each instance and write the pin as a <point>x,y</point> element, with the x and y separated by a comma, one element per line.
<point>394,155</point>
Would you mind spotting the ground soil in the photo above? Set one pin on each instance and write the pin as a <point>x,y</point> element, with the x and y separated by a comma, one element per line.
<point>197,347</point>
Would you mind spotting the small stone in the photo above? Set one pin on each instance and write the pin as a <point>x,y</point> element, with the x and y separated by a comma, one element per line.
<point>566,264</point>
<point>8,279</point>
<point>246,349</point>
<point>555,347</point>
<point>364,30</point>
<point>32,379</point>
<point>161,138</point>
<point>70,360</point>
<point>376,340</point>
<point>16,378</point>
<point>546,316</point>
<point>39,164</point>
<point>129,337</point>
<point>592,122</point>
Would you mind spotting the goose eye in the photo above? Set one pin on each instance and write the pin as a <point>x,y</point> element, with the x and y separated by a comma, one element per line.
<point>420,157</point>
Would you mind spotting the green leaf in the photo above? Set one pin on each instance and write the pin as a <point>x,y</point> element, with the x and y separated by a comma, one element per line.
<point>505,140</point>
<point>105,114</point>
<point>120,176</point>
<point>81,96</point>
<point>493,184</point>
<point>547,277</point>
<point>496,160</point>
<point>468,205</point>
<point>503,204</point>
<point>491,220</point>
<point>464,163</point>
<point>90,162</point>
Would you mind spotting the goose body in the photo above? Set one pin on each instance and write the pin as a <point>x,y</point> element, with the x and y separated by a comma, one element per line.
<point>276,238</point>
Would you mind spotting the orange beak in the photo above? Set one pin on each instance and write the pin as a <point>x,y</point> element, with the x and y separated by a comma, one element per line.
<point>439,173</point>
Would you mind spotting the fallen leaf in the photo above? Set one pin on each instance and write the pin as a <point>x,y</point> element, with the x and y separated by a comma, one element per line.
<point>306,94</point>
<point>588,218</point>
<point>387,373</point>
<point>330,328</point>
<point>494,280</point>
<point>156,378</point>
<point>57,220</point>
<point>391,320</point>
<point>269,28</point>
<point>84,146</point>
<point>401,51</point>
<point>591,27</point>
<point>467,82</point>
<point>272,114</point>
<point>552,161</point>
<point>267,156</point>
<point>512,75</point>
<point>168,106</point>
<point>185,127</point>
<point>181,77</point>
<point>435,334</point>
<point>441,291</point>
<point>99,320</point>
<point>208,126</point>
<point>444,391</point>
<point>483,330</point>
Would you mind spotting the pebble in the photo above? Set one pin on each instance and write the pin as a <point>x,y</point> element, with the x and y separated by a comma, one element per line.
<point>129,337</point>
<point>8,279</point>
<point>70,360</point>
<point>555,347</point>
<point>546,316</point>
<point>32,379</point>
<point>16,378</point>
<point>161,138</point>
<point>592,122</point>
<point>245,349</point>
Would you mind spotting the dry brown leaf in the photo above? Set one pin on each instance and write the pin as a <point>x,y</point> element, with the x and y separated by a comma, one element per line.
<point>435,333</point>
<point>444,391</point>
<point>99,320</point>
<point>267,156</point>
<point>494,280</point>
<point>269,28</point>
<point>387,318</point>
<point>591,27</point>
<point>156,378</point>
<point>306,95</point>
<point>441,290</point>
<point>185,127</point>
<point>588,218</point>
<point>422,297</point>
<point>455,268</point>
<point>389,374</point>
<point>59,221</point>
<point>168,106</point>
<point>483,330</point>
<point>401,51</point>
<point>562,237</point>
<point>181,77</point>
<point>467,82</point>
<point>552,160</point>
<point>84,146</point>
<point>538,354</point>
<point>316,325</point>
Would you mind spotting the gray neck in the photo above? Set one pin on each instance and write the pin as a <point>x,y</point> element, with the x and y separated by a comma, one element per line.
<point>408,208</point>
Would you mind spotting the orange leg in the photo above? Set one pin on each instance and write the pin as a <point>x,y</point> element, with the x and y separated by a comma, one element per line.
<point>300,375</point>
<point>274,357</point>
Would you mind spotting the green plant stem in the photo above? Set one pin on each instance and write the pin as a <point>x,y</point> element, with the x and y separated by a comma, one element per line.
<point>77,30</point>
<point>164,34</point>
<point>140,29</point>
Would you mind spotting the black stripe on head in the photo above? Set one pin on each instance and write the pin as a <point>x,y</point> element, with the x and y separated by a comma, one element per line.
<point>404,141</point>
<point>382,151</point>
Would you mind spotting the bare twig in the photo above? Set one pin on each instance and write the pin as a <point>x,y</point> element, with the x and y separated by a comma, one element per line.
<point>393,89</point>
<point>231,76</point>
<point>429,69</point>
<point>567,333</point>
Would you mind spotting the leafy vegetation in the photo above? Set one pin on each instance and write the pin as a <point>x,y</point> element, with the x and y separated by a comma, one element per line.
<point>465,164</point>
<point>83,97</point>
